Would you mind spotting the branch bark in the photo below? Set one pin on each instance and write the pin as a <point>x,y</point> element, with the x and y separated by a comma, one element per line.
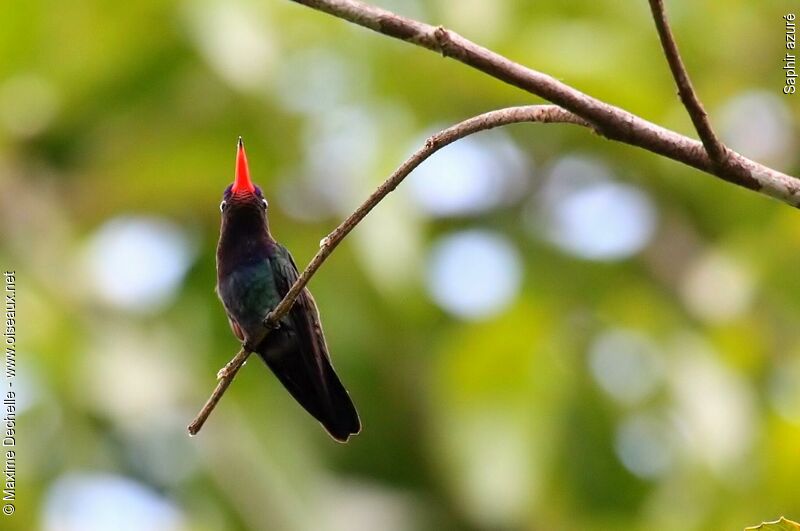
<point>714,147</point>
<point>572,106</point>
<point>482,122</point>
<point>610,121</point>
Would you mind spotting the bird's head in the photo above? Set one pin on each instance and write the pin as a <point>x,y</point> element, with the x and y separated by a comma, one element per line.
<point>243,198</point>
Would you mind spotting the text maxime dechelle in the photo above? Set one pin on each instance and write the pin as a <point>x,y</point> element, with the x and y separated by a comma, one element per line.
<point>9,398</point>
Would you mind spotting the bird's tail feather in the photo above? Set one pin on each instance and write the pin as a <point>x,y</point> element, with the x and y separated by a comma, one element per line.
<point>316,386</point>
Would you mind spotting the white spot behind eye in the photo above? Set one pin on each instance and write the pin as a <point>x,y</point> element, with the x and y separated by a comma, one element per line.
<point>266,204</point>
<point>222,206</point>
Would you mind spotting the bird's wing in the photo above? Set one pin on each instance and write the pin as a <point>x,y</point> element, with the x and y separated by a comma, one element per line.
<point>304,365</point>
<point>304,315</point>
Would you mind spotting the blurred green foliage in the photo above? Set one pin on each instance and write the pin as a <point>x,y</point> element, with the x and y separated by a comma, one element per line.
<point>518,418</point>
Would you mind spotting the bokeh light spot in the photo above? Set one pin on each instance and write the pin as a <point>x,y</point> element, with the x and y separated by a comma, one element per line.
<point>137,263</point>
<point>583,212</point>
<point>474,274</point>
<point>715,407</point>
<point>717,288</point>
<point>101,502</point>
<point>235,41</point>
<point>340,148</point>
<point>758,124</point>
<point>643,446</point>
<point>471,176</point>
<point>315,80</point>
<point>627,365</point>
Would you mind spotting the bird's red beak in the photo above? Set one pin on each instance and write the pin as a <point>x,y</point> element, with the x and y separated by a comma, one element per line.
<point>242,183</point>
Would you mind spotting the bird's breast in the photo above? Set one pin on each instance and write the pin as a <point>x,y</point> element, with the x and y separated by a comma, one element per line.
<point>249,293</point>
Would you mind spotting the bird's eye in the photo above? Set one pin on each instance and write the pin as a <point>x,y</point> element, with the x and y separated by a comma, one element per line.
<point>264,202</point>
<point>222,206</point>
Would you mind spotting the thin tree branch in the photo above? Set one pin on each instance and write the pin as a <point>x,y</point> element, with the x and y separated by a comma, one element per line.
<point>610,121</point>
<point>482,122</point>
<point>714,147</point>
<point>224,378</point>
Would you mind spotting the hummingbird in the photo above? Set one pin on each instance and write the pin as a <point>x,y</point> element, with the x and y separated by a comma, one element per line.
<point>254,272</point>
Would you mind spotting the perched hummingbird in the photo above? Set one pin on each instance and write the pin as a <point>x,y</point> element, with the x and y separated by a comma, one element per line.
<point>254,272</point>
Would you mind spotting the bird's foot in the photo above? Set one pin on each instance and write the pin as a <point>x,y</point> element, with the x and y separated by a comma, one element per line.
<point>249,347</point>
<point>272,325</point>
